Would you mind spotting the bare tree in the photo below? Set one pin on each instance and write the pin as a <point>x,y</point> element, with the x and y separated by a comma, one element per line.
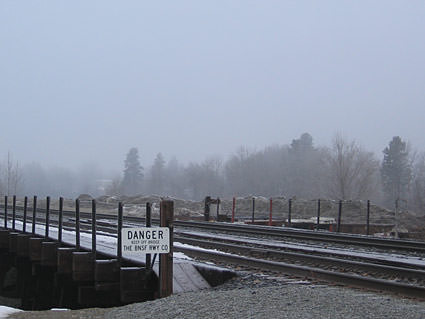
<point>212,168</point>
<point>417,189</point>
<point>12,176</point>
<point>17,179</point>
<point>204,179</point>
<point>351,171</point>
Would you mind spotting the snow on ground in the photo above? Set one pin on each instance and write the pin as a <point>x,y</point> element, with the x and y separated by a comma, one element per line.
<point>178,244</point>
<point>6,311</point>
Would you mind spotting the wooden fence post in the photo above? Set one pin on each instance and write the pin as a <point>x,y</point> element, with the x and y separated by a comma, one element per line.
<point>24,226</point>
<point>148,222</point>
<point>253,210</point>
<point>60,221</point>
<point>318,214</point>
<point>218,209</point>
<point>290,212</point>
<point>338,229</point>
<point>166,260</point>
<point>34,214</point>
<point>233,209</point>
<point>77,224</point>
<point>93,228</point>
<point>13,211</point>
<point>47,217</point>
<point>207,208</point>
<point>368,218</point>
<point>5,212</point>
<point>271,212</point>
<point>119,235</point>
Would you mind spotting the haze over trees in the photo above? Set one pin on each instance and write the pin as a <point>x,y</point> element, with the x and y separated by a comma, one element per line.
<point>343,170</point>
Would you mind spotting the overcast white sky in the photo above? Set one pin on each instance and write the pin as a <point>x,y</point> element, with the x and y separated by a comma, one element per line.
<point>84,81</point>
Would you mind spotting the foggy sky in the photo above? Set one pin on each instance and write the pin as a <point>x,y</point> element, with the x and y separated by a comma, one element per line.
<point>84,81</point>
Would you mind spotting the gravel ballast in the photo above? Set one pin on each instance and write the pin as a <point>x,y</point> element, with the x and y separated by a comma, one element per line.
<point>290,301</point>
<point>257,297</point>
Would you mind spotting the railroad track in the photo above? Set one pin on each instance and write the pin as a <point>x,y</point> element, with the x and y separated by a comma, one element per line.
<point>407,279</point>
<point>308,235</point>
<point>282,248</point>
<point>256,230</point>
<point>377,274</point>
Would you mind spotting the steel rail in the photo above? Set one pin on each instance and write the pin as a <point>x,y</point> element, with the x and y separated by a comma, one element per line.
<point>306,258</point>
<point>282,246</point>
<point>308,235</point>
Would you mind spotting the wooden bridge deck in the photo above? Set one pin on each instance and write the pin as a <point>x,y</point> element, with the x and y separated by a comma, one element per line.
<point>185,275</point>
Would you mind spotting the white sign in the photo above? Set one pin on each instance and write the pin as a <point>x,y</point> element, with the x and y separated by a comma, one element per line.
<point>146,240</point>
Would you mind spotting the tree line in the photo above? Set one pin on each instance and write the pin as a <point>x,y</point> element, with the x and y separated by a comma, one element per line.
<point>343,170</point>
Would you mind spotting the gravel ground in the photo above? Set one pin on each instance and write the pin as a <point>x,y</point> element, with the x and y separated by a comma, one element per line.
<point>255,296</point>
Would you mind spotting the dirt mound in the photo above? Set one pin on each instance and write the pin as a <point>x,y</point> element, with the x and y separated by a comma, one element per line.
<point>136,205</point>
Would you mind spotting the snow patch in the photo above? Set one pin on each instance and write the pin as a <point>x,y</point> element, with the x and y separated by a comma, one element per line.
<point>6,311</point>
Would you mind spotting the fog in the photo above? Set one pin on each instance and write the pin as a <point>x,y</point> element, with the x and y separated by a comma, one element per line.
<point>82,82</point>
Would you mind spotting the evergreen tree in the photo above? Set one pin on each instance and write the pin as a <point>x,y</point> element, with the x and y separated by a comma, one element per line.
<point>157,179</point>
<point>396,170</point>
<point>303,144</point>
<point>303,162</point>
<point>133,173</point>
